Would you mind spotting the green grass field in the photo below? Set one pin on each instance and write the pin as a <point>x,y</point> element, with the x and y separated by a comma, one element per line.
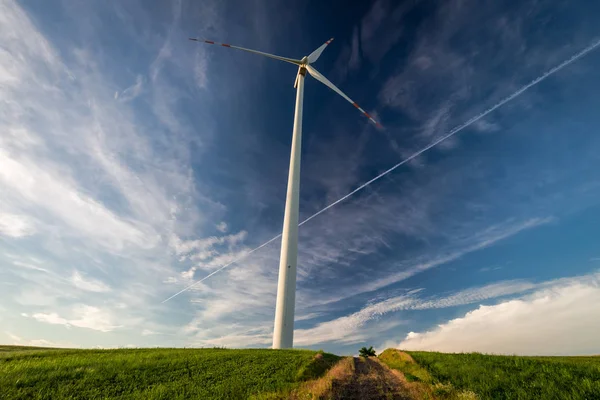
<point>505,377</point>
<point>31,373</point>
<point>37,373</point>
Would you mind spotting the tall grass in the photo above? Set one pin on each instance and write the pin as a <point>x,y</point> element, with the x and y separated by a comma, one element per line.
<point>512,377</point>
<point>154,373</point>
<point>420,383</point>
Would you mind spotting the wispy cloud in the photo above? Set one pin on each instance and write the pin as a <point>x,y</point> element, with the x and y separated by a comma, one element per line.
<point>132,91</point>
<point>349,329</point>
<point>381,28</point>
<point>474,295</point>
<point>480,241</point>
<point>187,247</point>
<point>415,89</point>
<point>353,328</point>
<point>26,265</point>
<point>88,284</point>
<point>488,269</point>
<point>93,192</point>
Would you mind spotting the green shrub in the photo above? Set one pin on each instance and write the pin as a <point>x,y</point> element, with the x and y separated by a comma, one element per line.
<point>367,352</point>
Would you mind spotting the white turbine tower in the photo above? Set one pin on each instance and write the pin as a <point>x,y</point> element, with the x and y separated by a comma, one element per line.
<point>283,335</point>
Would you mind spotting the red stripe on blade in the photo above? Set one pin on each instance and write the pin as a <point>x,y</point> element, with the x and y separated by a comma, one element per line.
<point>355,105</point>
<point>225,45</point>
<point>367,115</point>
<point>209,42</point>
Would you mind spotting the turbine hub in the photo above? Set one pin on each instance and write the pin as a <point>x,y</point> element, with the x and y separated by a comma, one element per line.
<point>304,60</point>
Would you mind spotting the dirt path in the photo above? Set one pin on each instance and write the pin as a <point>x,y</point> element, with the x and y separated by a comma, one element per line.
<point>371,380</point>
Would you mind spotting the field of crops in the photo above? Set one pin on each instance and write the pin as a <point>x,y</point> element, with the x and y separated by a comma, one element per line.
<point>27,373</point>
<point>502,377</point>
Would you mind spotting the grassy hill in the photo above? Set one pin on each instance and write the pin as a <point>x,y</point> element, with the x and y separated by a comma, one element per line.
<point>33,373</point>
<point>454,376</point>
<point>38,373</point>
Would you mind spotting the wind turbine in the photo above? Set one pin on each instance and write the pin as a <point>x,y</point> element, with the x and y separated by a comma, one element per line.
<point>283,334</point>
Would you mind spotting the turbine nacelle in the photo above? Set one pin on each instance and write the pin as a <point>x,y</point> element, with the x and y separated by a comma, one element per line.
<point>304,64</point>
<point>301,71</point>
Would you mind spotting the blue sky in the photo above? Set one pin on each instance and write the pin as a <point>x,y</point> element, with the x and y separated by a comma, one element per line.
<point>134,162</point>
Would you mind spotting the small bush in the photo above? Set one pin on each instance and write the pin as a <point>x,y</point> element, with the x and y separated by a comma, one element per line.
<point>364,352</point>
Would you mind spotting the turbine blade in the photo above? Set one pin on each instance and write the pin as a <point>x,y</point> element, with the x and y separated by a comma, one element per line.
<point>317,75</point>
<point>290,60</point>
<point>314,56</point>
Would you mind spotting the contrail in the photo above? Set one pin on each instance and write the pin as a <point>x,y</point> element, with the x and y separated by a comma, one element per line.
<point>454,131</point>
<point>223,267</point>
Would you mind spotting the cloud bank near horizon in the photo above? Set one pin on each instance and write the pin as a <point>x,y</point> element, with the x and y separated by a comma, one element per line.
<point>558,319</point>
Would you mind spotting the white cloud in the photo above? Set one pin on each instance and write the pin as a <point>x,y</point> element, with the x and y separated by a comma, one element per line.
<point>354,61</point>
<point>209,253</point>
<point>238,308</point>
<point>132,91</point>
<point>347,329</point>
<point>13,337</point>
<point>560,319</point>
<point>50,318</point>
<point>40,294</point>
<point>19,341</point>
<point>222,227</point>
<point>222,259</point>
<point>182,247</point>
<point>486,126</point>
<point>200,67</point>
<point>351,328</point>
<point>488,269</point>
<point>14,225</point>
<point>83,316</point>
<point>309,316</point>
<point>88,284</point>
